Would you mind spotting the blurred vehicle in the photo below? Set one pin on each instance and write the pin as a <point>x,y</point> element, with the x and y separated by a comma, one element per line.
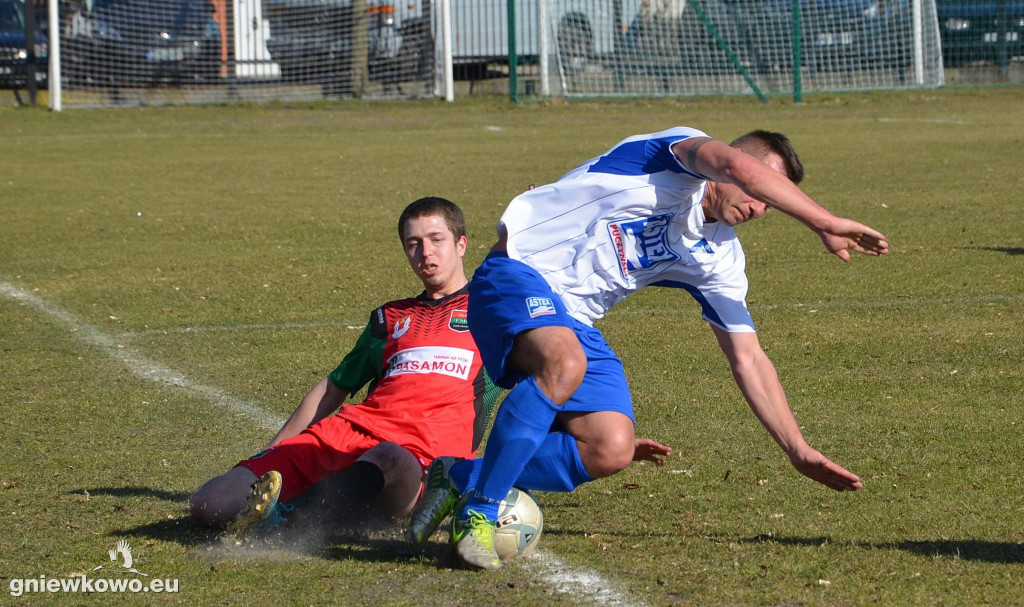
<point>843,35</point>
<point>14,54</point>
<point>583,33</point>
<point>313,41</point>
<point>836,35</point>
<point>141,42</point>
<point>981,31</point>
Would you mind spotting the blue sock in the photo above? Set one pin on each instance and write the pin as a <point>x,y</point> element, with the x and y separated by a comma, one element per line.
<point>556,466</point>
<point>521,425</point>
<point>465,473</point>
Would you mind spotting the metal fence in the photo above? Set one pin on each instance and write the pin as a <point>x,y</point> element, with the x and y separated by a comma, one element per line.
<point>763,46</point>
<point>156,52</point>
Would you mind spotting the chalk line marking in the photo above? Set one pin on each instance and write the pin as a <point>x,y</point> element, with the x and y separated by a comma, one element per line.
<point>584,585</point>
<point>140,365</point>
<point>249,327</point>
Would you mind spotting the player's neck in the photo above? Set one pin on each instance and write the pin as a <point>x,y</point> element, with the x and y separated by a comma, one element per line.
<point>452,286</point>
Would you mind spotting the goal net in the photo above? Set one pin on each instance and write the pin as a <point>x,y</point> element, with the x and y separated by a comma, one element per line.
<point>693,47</point>
<point>157,52</point>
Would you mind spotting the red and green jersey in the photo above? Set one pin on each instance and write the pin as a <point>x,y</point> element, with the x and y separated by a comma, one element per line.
<point>428,388</point>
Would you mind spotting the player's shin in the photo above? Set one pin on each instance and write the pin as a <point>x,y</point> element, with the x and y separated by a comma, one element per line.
<point>556,466</point>
<point>520,427</point>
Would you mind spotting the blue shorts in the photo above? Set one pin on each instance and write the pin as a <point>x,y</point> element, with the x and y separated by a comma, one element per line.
<point>507,297</point>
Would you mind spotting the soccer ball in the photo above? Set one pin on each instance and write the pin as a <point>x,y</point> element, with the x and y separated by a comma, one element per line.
<point>519,525</point>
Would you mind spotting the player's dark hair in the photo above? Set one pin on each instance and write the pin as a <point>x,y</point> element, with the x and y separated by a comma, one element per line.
<point>433,205</point>
<point>761,143</point>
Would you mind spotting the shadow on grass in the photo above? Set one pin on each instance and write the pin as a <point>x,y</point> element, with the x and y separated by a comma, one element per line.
<point>171,496</point>
<point>563,531</point>
<point>181,530</point>
<point>972,550</point>
<point>1007,250</point>
<point>363,538</point>
<point>370,540</point>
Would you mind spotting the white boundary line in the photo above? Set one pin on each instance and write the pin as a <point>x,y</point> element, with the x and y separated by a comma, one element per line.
<point>250,327</point>
<point>584,585</point>
<point>139,365</point>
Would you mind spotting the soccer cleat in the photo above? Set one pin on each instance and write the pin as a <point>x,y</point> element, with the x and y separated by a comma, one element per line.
<point>260,514</point>
<point>439,499</point>
<point>474,541</point>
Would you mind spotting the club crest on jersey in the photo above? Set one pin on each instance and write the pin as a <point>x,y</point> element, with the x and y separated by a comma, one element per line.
<point>642,243</point>
<point>401,326</point>
<point>458,321</point>
<point>539,306</point>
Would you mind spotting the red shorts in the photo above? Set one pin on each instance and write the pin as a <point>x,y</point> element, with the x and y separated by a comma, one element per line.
<point>323,450</point>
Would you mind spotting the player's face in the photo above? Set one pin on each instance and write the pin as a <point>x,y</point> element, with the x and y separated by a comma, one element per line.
<point>435,255</point>
<point>732,206</point>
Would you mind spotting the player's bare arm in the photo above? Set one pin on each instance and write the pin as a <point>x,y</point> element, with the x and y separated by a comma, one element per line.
<point>322,400</point>
<point>721,163</point>
<point>756,377</point>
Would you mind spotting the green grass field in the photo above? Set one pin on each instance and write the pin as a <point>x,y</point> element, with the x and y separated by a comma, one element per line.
<point>242,248</point>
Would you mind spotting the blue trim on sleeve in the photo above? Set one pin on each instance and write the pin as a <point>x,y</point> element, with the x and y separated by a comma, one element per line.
<point>642,157</point>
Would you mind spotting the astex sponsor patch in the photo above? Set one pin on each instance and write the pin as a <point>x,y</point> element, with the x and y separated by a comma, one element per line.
<point>540,306</point>
<point>454,362</point>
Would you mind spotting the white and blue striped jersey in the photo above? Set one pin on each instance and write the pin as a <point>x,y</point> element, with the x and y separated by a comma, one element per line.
<point>625,220</point>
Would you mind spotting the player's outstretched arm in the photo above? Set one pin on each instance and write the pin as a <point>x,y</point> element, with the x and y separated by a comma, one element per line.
<point>756,377</point>
<point>721,163</point>
<point>650,450</point>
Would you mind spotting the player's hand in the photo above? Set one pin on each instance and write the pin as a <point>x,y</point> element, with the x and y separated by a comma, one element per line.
<point>817,467</point>
<point>650,450</point>
<point>846,235</point>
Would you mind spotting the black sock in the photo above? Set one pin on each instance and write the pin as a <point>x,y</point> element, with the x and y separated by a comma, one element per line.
<point>343,495</point>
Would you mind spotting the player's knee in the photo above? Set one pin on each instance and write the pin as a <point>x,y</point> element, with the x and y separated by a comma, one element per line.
<point>200,506</point>
<point>563,375</point>
<point>221,498</point>
<point>554,357</point>
<point>394,461</point>
<point>403,476</point>
<point>611,455</point>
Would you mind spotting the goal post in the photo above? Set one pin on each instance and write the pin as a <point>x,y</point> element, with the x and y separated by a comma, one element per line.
<point>53,79</point>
